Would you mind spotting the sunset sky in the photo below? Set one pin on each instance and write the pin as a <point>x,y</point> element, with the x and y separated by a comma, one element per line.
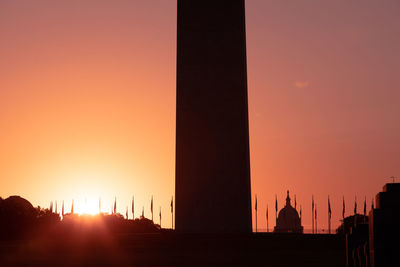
<point>87,102</point>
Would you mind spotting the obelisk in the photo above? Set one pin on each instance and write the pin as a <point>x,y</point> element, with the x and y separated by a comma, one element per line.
<point>212,129</point>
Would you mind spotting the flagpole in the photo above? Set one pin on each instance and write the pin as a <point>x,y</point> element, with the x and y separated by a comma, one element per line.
<point>344,209</point>
<point>316,226</point>
<point>329,225</point>
<point>172,212</point>
<point>329,215</point>
<point>312,214</point>
<point>256,214</point>
<point>151,206</point>
<point>267,220</point>
<point>276,210</point>
<point>160,216</point>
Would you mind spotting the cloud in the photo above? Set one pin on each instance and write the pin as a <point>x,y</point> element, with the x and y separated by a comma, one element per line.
<point>301,85</point>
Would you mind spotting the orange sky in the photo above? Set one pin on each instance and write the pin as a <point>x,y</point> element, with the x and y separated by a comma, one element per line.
<point>87,102</point>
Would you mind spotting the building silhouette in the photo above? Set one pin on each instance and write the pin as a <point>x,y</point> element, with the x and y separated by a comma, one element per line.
<point>355,229</point>
<point>288,220</point>
<point>373,241</point>
<point>212,131</point>
<point>384,227</point>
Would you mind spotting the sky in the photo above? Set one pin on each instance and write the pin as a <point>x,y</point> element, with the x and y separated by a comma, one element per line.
<point>87,103</point>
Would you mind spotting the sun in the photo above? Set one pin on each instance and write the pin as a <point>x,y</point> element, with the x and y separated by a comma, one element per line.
<point>88,207</point>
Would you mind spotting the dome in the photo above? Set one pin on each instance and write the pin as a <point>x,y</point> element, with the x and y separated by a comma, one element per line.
<point>288,219</point>
<point>17,206</point>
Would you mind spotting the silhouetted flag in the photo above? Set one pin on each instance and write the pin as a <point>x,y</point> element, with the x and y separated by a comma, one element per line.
<point>312,213</point>
<point>365,206</point>
<point>126,214</point>
<point>267,219</point>
<point>160,216</point>
<point>255,207</point>
<point>316,226</point>
<point>133,207</point>
<point>329,215</point>
<point>62,209</point>
<point>151,208</point>
<point>72,207</point>
<point>276,207</point>
<point>329,208</point>
<point>115,206</point>
<point>172,212</point>
<point>355,206</point>
<point>344,208</point>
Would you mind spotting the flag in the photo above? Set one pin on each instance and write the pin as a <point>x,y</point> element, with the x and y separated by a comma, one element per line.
<point>133,207</point>
<point>365,206</point>
<point>355,206</point>
<point>172,212</point>
<point>256,203</point>
<point>151,208</point>
<point>329,208</point>
<point>344,208</point>
<point>160,216</point>
<point>276,204</point>
<point>72,207</point>
<point>266,215</point>
<point>115,206</point>
<point>62,209</point>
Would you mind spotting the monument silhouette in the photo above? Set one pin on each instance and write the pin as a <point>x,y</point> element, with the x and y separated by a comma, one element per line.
<point>212,132</point>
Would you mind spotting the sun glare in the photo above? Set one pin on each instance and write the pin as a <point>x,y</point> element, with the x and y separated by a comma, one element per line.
<point>88,207</point>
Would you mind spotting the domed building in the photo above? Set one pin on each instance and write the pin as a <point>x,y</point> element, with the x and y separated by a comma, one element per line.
<point>288,220</point>
<point>16,206</point>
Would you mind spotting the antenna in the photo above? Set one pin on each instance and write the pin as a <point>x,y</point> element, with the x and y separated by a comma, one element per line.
<point>394,178</point>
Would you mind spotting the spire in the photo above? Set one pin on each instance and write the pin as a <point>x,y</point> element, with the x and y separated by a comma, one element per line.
<point>288,199</point>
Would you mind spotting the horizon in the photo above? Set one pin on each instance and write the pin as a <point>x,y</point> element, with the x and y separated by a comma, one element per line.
<point>87,105</point>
